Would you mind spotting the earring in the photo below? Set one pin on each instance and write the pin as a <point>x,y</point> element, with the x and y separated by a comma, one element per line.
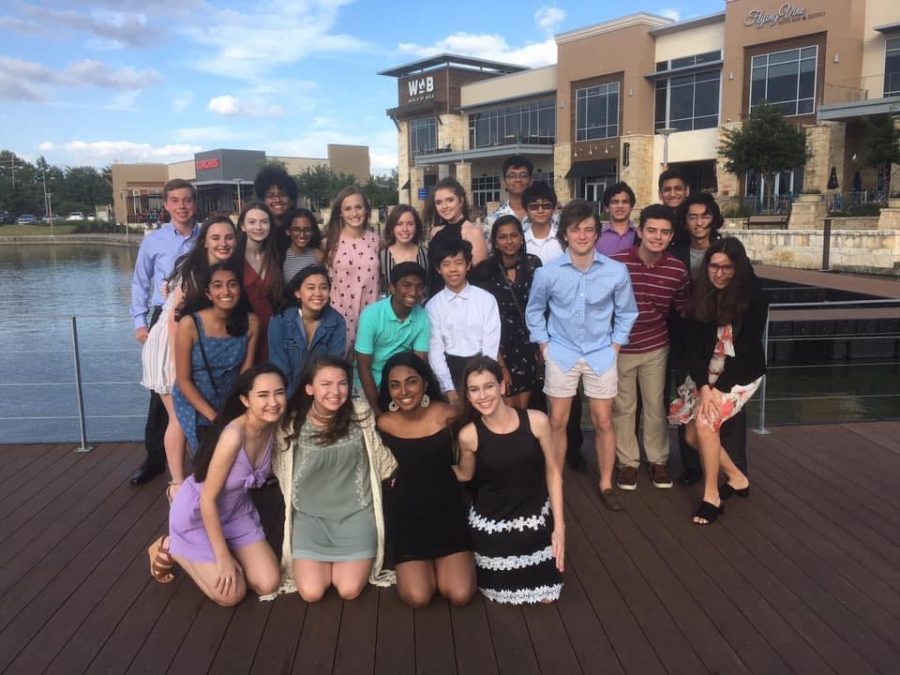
<point>426,401</point>
<point>393,407</point>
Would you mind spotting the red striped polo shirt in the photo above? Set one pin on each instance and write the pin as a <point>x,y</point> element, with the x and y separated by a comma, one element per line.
<point>657,289</point>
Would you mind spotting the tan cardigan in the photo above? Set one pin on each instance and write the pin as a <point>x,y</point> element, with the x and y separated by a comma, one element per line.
<point>381,465</point>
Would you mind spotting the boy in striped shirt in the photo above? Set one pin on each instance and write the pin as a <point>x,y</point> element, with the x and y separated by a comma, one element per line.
<point>660,282</point>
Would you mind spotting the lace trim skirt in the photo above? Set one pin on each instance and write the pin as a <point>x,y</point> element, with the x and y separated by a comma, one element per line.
<point>514,559</point>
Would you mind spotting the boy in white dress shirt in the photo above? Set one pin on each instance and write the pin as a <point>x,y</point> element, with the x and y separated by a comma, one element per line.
<point>465,321</point>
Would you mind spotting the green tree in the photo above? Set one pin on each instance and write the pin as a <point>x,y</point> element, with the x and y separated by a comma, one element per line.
<point>320,184</point>
<point>766,144</point>
<point>882,148</point>
<point>382,190</point>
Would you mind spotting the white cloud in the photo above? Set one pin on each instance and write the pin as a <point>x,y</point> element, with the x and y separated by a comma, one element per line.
<point>114,28</point>
<point>101,152</point>
<point>30,81</point>
<point>486,46</point>
<point>669,13</point>
<point>253,41</point>
<point>45,146</point>
<point>549,17</point>
<point>228,106</point>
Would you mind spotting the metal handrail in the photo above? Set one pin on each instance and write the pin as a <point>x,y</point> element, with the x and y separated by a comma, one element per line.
<point>761,421</point>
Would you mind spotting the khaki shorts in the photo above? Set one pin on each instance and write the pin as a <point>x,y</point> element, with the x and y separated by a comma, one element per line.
<point>564,384</point>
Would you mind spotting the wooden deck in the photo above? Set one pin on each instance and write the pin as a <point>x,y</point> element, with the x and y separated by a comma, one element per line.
<point>803,577</point>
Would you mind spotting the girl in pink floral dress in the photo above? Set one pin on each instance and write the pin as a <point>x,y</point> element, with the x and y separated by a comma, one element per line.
<point>351,254</point>
<point>726,363</point>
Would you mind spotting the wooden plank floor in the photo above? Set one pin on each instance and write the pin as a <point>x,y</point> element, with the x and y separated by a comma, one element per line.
<point>802,577</point>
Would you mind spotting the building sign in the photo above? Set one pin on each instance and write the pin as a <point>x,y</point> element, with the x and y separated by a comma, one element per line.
<point>420,89</point>
<point>207,164</point>
<point>785,14</point>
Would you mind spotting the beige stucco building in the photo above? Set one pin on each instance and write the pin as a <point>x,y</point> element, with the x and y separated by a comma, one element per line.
<point>629,96</point>
<point>223,178</point>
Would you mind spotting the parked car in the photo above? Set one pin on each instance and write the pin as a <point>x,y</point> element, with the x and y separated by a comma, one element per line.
<point>26,219</point>
<point>56,219</point>
<point>6,218</point>
<point>75,215</point>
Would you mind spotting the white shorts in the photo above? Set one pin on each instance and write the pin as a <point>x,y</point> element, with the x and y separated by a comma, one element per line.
<point>563,384</point>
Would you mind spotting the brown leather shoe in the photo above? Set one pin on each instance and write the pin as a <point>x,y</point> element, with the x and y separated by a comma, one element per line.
<point>627,478</point>
<point>659,476</point>
<point>611,500</point>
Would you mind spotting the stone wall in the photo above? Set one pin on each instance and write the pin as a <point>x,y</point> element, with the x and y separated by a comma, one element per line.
<point>639,172</point>
<point>870,251</point>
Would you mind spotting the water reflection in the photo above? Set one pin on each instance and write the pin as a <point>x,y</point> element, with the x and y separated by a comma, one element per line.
<point>44,286</point>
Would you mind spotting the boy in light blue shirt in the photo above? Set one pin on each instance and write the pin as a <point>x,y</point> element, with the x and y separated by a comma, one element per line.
<point>591,311</point>
<point>395,324</point>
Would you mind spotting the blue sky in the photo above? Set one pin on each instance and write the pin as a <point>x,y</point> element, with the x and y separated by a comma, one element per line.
<point>98,81</point>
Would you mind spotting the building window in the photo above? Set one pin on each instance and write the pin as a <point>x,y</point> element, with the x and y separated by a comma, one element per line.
<point>688,102</point>
<point>542,177</point>
<point>485,189</point>
<point>892,67</point>
<point>597,112</point>
<point>785,79</point>
<point>530,123</point>
<point>688,61</point>
<point>422,136</point>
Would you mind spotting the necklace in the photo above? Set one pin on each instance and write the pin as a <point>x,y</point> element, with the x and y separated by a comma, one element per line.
<point>319,417</point>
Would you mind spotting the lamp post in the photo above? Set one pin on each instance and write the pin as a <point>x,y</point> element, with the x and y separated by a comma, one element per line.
<point>665,133</point>
<point>48,199</point>
<point>237,182</point>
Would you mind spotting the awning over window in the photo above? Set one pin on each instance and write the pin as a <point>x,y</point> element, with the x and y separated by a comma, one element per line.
<point>596,167</point>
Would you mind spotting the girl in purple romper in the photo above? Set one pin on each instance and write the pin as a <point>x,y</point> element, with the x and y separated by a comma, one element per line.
<point>214,530</point>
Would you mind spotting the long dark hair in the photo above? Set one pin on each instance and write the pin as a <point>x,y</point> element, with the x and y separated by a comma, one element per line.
<point>231,409</point>
<point>301,402</point>
<point>237,322</point>
<point>389,238</point>
<point>290,291</point>
<point>410,360</point>
<point>477,364</point>
<point>193,265</point>
<point>493,266</point>
<point>335,222</point>
<point>271,267</point>
<point>430,215</point>
<point>722,306</point>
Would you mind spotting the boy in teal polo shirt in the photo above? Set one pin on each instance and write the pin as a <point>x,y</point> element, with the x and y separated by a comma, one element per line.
<point>396,324</point>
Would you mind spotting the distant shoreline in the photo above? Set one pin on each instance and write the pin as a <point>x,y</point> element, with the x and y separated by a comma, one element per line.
<point>107,239</point>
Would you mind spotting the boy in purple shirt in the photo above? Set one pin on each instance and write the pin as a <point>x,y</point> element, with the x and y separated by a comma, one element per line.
<point>619,233</point>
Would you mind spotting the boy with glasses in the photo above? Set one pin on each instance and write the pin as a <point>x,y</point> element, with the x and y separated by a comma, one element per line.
<point>517,172</point>
<point>580,312</point>
<point>278,191</point>
<point>541,224</point>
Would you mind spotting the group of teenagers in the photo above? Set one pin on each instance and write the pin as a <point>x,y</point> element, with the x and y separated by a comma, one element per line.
<point>363,411</point>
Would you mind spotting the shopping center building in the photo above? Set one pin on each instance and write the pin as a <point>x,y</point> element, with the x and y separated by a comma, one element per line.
<point>223,178</point>
<point>629,96</point>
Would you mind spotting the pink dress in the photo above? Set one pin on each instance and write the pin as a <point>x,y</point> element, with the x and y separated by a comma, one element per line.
<point>355,278</point>
<point>684,408</point>
<point>238,515</point>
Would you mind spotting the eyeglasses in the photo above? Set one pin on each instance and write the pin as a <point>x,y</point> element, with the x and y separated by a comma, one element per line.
<point>520,177</point>
<point>541,206</point>
<point>699,216</point>
<point>276,196</point>
<point>720,269</point>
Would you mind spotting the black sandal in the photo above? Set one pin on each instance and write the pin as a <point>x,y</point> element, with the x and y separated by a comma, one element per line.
<point>726,491</point>
<point>709,513</point>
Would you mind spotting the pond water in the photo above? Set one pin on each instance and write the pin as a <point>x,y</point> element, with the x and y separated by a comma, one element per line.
<point>44,286</point>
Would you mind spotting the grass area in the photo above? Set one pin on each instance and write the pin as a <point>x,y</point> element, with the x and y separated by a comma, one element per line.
<point>35,230</point>
<point>62,229</point>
